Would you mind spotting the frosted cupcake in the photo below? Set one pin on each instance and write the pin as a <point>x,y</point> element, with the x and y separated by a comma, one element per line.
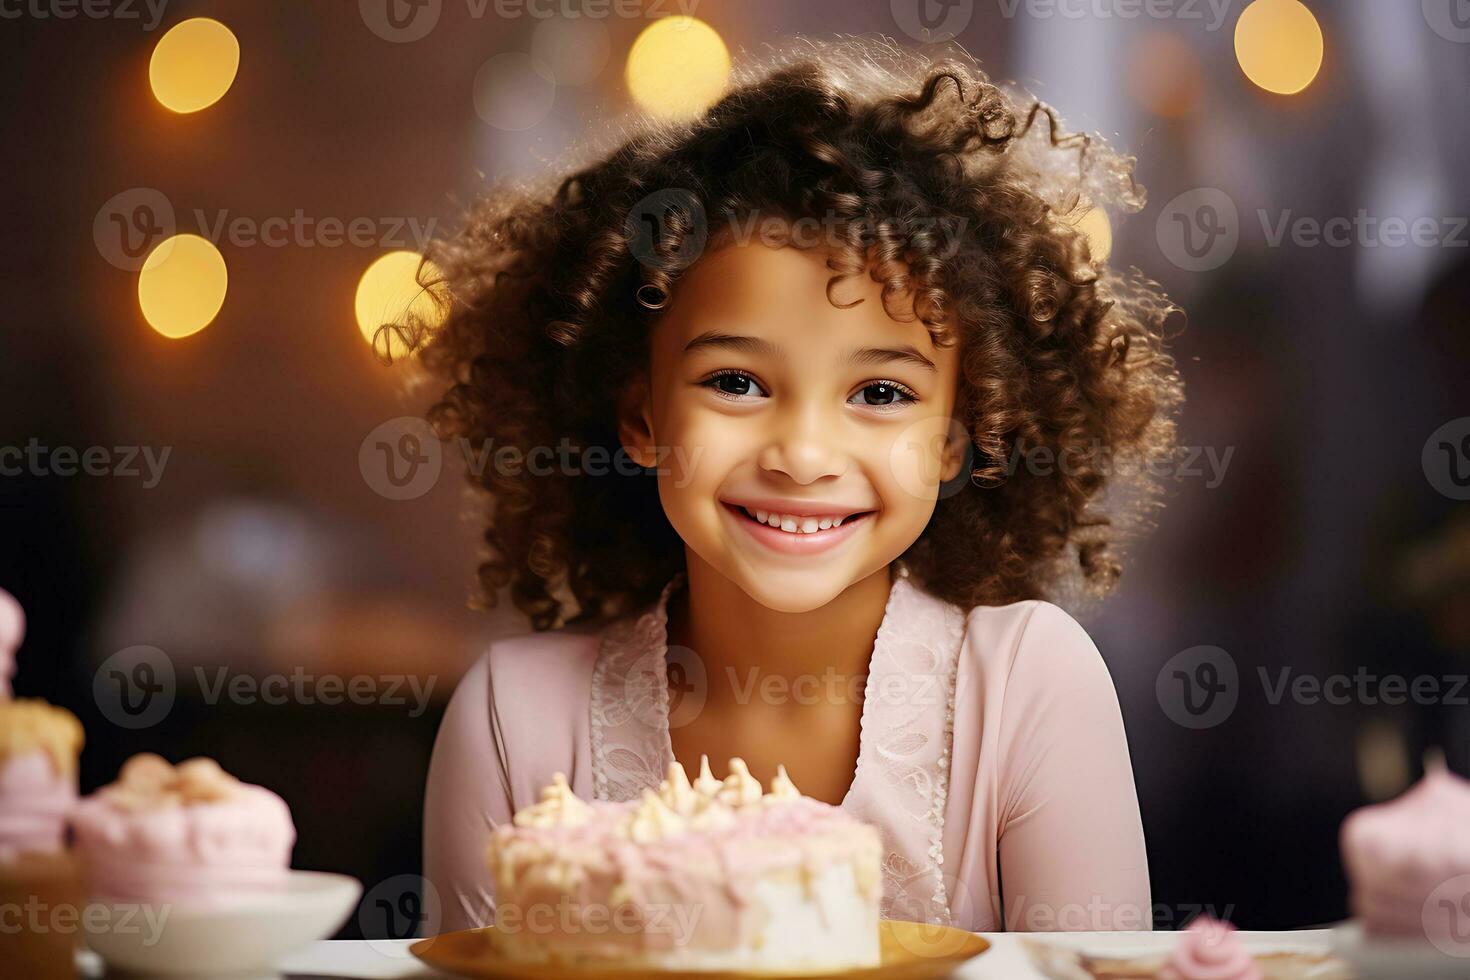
<point>39,744</point>
<point>1408,861</point>
<point>187,833</point>
<point>1208,949</point>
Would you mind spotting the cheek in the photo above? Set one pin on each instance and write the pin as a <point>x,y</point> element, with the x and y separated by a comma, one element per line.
<point>908,467</point>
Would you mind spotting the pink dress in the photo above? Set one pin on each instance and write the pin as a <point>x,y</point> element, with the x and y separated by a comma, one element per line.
<point>992,758</point>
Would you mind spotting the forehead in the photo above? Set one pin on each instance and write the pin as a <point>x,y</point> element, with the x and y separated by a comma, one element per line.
<point>781,294</point>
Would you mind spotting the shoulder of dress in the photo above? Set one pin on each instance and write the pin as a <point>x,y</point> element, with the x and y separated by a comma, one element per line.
<point>997,635</point>
<point>539,654</point>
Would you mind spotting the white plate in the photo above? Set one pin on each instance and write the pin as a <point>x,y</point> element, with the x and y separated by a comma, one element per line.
<point>240,939</point>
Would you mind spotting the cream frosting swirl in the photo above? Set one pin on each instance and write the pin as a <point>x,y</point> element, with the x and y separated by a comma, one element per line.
<point>677,806</point>
<point>559,807</point>
<point>148,782</point>
<point>1208,949</point>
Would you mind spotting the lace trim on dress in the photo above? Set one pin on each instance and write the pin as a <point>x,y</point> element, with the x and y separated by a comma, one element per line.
<point>901,783</point>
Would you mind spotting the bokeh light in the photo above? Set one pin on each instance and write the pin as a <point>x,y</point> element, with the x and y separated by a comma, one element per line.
<point>194,65</point>
<point>571,51</point>
<point>389,292</point>
<point>1165,75</point>
<point>182,285</point>
<point>1279,45</point>
<point>511,94</point>
<point>678,67</point>
<point>1094,224</point>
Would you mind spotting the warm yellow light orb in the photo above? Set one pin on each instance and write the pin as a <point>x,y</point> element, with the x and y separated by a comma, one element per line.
<point>1279,45</point>
<point>1093,222</point>
<point>182,285</point>
<point>194,65</point>
<point>389,292</point>
<point>678,67</point>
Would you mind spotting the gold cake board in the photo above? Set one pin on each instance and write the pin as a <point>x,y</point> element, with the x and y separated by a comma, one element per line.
<point>911,951</point>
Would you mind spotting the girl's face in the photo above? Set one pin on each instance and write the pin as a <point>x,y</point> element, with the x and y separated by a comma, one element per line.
<point>767,402</point>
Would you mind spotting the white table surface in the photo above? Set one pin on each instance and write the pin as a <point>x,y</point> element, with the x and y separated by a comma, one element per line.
<point>389,960</point>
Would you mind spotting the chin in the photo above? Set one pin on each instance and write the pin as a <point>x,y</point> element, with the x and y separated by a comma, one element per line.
<point>793,590</point>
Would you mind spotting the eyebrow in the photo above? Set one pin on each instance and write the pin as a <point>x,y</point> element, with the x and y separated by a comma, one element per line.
<point>714,340</point>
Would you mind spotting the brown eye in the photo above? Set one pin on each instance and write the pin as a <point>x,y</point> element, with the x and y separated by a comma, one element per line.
<point>731,384</point>
<point>887,394</point>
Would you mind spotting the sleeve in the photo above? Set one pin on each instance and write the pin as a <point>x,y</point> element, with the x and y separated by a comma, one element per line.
<point>1071,846</point>
<point>467,796</point>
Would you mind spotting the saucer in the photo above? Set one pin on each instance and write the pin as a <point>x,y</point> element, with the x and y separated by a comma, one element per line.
<point>245,938</point>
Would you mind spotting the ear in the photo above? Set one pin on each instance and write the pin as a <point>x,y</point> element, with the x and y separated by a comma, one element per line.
<point>635,422</point>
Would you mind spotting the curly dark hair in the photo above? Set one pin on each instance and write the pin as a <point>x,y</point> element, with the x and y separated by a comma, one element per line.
<point>548,319</point>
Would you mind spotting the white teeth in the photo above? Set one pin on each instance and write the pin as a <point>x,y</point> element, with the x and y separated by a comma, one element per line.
<point>794,524</point>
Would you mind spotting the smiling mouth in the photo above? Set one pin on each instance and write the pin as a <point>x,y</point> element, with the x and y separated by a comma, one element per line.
<point>799,528</point>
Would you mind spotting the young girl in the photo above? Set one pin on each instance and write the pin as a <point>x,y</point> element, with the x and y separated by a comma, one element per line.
<point>808,402</point>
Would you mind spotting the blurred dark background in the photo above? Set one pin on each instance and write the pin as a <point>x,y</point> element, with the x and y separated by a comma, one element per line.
<point>1333,542</point>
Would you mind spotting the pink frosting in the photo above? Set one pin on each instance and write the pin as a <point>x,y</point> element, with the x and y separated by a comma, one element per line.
<point>207,852</point>
<point>1398,853</point>
<point>710,871</point>
<point>12,631</point>
<point>1208,949</point>
<point>35,802</point>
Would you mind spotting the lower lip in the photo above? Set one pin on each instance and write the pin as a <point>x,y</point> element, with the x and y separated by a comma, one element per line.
<point>790,543</point>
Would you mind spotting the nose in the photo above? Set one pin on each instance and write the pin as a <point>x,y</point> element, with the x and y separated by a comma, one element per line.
<point>805,444</point>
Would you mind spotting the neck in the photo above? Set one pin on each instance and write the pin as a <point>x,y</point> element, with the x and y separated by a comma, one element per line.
<point>738,639</point>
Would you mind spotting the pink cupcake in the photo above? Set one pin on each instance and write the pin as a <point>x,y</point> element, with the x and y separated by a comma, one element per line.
<point>188,833</point>
<point>1408,860</point>
<point>39,744</point>
<point>1208,949</point>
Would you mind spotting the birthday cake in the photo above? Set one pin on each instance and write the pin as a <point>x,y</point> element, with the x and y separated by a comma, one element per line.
<point>710,875</point>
